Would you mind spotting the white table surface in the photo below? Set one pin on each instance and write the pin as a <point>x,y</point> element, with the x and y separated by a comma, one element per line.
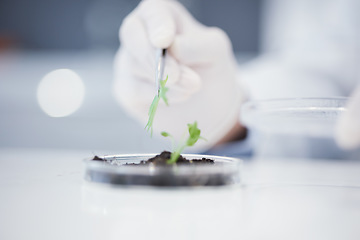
<point>43,196</point>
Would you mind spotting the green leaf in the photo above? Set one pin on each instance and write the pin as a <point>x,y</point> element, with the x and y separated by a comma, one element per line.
<point>165,134</point>
<point>163,90</point>
<point>194,134</point>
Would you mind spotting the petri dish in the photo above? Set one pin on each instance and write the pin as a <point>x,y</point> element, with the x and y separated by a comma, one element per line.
<point>117,170</point>
<point>314,117</point>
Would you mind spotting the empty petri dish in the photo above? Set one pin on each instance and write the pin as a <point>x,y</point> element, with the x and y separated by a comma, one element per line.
<point>122,170</point>
<point>306,116</point>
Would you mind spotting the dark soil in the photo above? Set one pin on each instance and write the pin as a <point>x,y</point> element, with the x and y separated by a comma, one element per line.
<point>96,158</point>
<point>162,158</point>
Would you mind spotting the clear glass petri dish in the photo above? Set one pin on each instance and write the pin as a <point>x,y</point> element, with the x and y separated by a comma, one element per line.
<point>115,170</point>
<point>314,117</point>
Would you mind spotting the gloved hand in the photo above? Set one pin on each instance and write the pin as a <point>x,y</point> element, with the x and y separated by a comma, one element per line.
<point>348,127</point>
<point>201,70</point>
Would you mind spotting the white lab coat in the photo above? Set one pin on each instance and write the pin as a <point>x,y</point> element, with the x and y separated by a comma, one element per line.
<point>310,48</point>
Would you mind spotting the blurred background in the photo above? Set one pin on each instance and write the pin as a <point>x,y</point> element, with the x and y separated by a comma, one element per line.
<point>44,41</point>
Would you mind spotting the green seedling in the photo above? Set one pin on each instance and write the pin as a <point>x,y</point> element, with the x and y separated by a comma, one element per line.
<point>194,131</point>
<point>194,136</point>
<point>153,107</point>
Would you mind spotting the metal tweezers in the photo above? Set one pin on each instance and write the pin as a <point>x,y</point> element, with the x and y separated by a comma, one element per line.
<point>160,65</point>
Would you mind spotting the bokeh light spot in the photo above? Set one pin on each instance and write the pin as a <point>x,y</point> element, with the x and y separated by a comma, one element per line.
<point>60,93</point>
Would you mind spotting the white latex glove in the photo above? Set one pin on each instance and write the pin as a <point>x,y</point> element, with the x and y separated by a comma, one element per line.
<point>199,63</point>
<point>348,127</point>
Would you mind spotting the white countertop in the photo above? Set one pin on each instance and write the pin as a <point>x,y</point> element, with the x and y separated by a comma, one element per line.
<point>44,197</point>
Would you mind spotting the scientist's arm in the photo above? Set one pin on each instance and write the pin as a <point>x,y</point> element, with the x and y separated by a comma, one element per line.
<point>201,69</point>
<point>310,49</point>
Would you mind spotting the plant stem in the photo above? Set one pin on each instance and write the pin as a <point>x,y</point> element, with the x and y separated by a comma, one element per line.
<point>152,111</point>
<point>175,155</point>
